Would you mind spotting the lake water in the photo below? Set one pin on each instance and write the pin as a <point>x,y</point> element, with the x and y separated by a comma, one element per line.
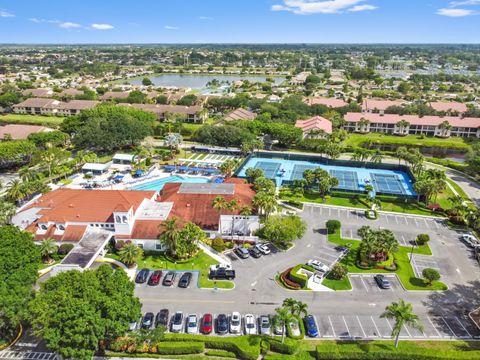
<point>199,82</point>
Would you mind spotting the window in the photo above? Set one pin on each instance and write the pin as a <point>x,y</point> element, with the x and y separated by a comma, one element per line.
<point>43,227</point>
<point>61,227</point>
<point>124,219</point>
<point>96,225</point>
<point>140,246</point>
<point>117,219</point>
<point>158,246</point>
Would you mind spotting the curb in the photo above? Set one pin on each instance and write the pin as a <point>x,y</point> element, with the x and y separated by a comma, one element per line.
<point>20,333</point>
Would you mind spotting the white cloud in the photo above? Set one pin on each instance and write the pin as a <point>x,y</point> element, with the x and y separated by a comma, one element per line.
<point>205,18</point>
<point>35,20</point>
<point>69,25</point>
<point>305,7</point>
<point>168,27</point>
<point>4,13</point>
<point>102,26</point>
<point>455,12</point>
<point>466,2</point>
<point>365,7</point>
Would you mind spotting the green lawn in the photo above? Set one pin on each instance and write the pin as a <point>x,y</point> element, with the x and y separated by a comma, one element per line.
<point>402,258</point>
<point>459,190</point>
<point>200,262</point>
<point>52,121</point>
<point>338,285</point>
<point>356,140</point>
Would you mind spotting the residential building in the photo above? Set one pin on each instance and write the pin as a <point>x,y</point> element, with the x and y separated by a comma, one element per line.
<point>240,114</point>
<point>451,107</point>
<point>315,127</point>
<point>20,132</point>
<point>442,126</point>
<point>39,93</point>
<point>111,95</point>
<point>41,106</point>
<point>124,159</point>
<point>376,106</point>
<point>193,114</point>
<point>95,168</point>
<point>330,102</point>
<point>300,78</point>
<point>74,107</point>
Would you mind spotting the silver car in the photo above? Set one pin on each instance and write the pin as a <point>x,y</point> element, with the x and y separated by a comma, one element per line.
<point>264,325</point>
<point>192,324</point>
<point>235,323</point>
<point>177,322</point>
<point>250,325</point>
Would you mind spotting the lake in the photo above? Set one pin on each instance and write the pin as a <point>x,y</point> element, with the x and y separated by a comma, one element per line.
<point>199,82</point>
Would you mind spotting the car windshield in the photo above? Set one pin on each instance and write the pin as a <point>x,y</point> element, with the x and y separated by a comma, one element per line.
<point>177,319</point>
<point>235,322</point>
<point>192,324</point>
<point>207,323</point>
<point>249,326</point>
<point>265,324</point>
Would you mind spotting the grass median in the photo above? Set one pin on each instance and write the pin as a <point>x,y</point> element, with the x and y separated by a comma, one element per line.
<point>404,270</point>
<point>53,121</point>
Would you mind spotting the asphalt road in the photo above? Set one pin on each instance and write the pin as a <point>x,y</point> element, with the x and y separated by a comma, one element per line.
<point>444,313</point>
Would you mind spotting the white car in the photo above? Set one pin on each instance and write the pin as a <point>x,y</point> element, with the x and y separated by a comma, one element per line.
<point>192,324</point>
<point>250,325</point>
<point>318,265</point>
<point>220,266</point>
<point>470,240</point>
<point>264,249</point>
<point>235,323</point>
<point>294,328</point>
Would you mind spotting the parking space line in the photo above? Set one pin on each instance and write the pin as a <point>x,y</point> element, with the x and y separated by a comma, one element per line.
<point>408,332</point>
<point>434,327</point>
<point>453,333</point>
<point>396,219</point>
<point>361,327</point>
<point>345,322</point>
<point>363,282</point>
<point>464,328</point>
<point>331,325</point>
<point>376,328</point>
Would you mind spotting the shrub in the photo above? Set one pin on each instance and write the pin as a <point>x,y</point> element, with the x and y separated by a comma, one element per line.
<point>371,214</point>
<point>221,353</point>
<point>333,226</point>
<point>218,244</point>
<point>64,249</point>
<point>287,282</point>
<point>300,278</point>
<point>180,348</point>
<point>430,275</point>
<point>422,239</point>
<point>289,347</point>
<point>119,244</point>
<point>301,326</point>
<point>264,347</point>
<point>338,272</point>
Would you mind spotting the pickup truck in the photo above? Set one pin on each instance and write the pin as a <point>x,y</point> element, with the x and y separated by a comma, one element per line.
<point>222,274</point>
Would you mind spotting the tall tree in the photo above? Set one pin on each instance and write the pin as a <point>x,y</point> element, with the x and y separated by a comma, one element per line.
<point>47,248</point>
<point>402,313</point>
<point>7,210</point>
<point>169,234</point>
<point>282,317</point>
<point>130,254</point>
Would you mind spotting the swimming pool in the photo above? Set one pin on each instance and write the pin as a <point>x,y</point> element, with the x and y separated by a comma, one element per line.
<point>158,184</point>
<point>283,171</point>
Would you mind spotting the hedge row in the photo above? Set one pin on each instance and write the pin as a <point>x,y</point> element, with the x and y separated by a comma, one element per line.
<point>300,278</point>
<point>374,351</point>
<point>245,347</point>
<point>301,325</point>
<point>221,353</point>
<point>288,347</point>
<point>284,278</point>
<point>175,348</point>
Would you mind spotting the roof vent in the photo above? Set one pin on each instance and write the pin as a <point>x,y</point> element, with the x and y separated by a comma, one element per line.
<point>188,205</point>
<point>70,205</point>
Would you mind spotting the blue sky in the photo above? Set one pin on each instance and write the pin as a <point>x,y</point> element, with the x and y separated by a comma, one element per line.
<point>240,21</point>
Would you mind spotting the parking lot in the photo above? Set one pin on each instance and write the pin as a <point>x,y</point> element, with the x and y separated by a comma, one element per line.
<point>420,262</point>
<point>33,355</point>
<point>367,283</point>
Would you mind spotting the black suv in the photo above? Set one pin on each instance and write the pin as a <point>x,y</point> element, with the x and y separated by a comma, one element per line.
<point>222,324</point>
<point>162,317</point>
<point>241,252</point>
<point>185,280</point>
<point>142,276</point>
<point>147,321</point>
<point>255,252</point>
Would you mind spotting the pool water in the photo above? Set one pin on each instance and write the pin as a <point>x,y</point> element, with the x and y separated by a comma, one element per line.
<point>158,184</point>
<point>392,182</point>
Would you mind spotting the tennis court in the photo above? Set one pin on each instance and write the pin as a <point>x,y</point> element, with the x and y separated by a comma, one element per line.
<point>270,169</point>
<point>387,184</point>
<point>298,170</point>
<point>347,180</point>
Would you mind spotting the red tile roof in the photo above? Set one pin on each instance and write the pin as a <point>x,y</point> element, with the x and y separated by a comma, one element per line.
<point>449,106</point>
<point>198,209</point>
<point>71,233</point>
<point>413,119</point>
<point>315,123</point>
<point>332,102</point>
<point>69,205</point>
<point>20,131</point>
<point>240,114</point>
<point>371,104</point>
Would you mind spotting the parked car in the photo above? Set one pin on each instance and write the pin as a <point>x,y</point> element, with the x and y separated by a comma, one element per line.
<point>155,278</point>
<point>142,276</point>
<point>382,281</point>
<point>279,329</point>
<point>235,323</point>
<point>255,252</point>
<point>147,321</point>
<point>264,249</point>
<point>162,317</point>
<point>476,253</point>
<point>318,265</point>
<point>242,252</point>
<point>250,325</point>
<point>470,240</point>
<point>341,248</point>
<point>294,327</point>
<point>222,324</point>
<point>220,266</point>
<point>207,324</point>
<point>132,326</point>
<point>185,280</point>
<point>222,274</point>
<point>169,279</point>
<point>192,324</point>
<point>311,326</point>
<point>264,325</point>
<point>177,322</point>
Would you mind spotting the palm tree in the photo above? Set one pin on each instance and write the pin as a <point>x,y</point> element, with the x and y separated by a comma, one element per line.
<point>14,190</point>
<point>170,234</point>
<point>401,153</point>
<point>445,128</point>
<point>219,203</point>
<point>227,167</point>
<point>47,247</point>
<point>377,156</point>
<point>265,203</point>
<point>233,205</point>
<point>402,125</point>
<point>402,313</point>
<point>246,211</point>
<point>7,210</point>
<point>130,254</point>
<point>27,174</point>
<point>282,317</point>
<point>363,124</point>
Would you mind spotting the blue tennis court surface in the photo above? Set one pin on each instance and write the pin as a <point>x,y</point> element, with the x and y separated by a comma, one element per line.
<point>391,182</point>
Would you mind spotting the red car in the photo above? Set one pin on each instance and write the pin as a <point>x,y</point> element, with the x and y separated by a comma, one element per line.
<point>155,278</point>
<point>207,324</point>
